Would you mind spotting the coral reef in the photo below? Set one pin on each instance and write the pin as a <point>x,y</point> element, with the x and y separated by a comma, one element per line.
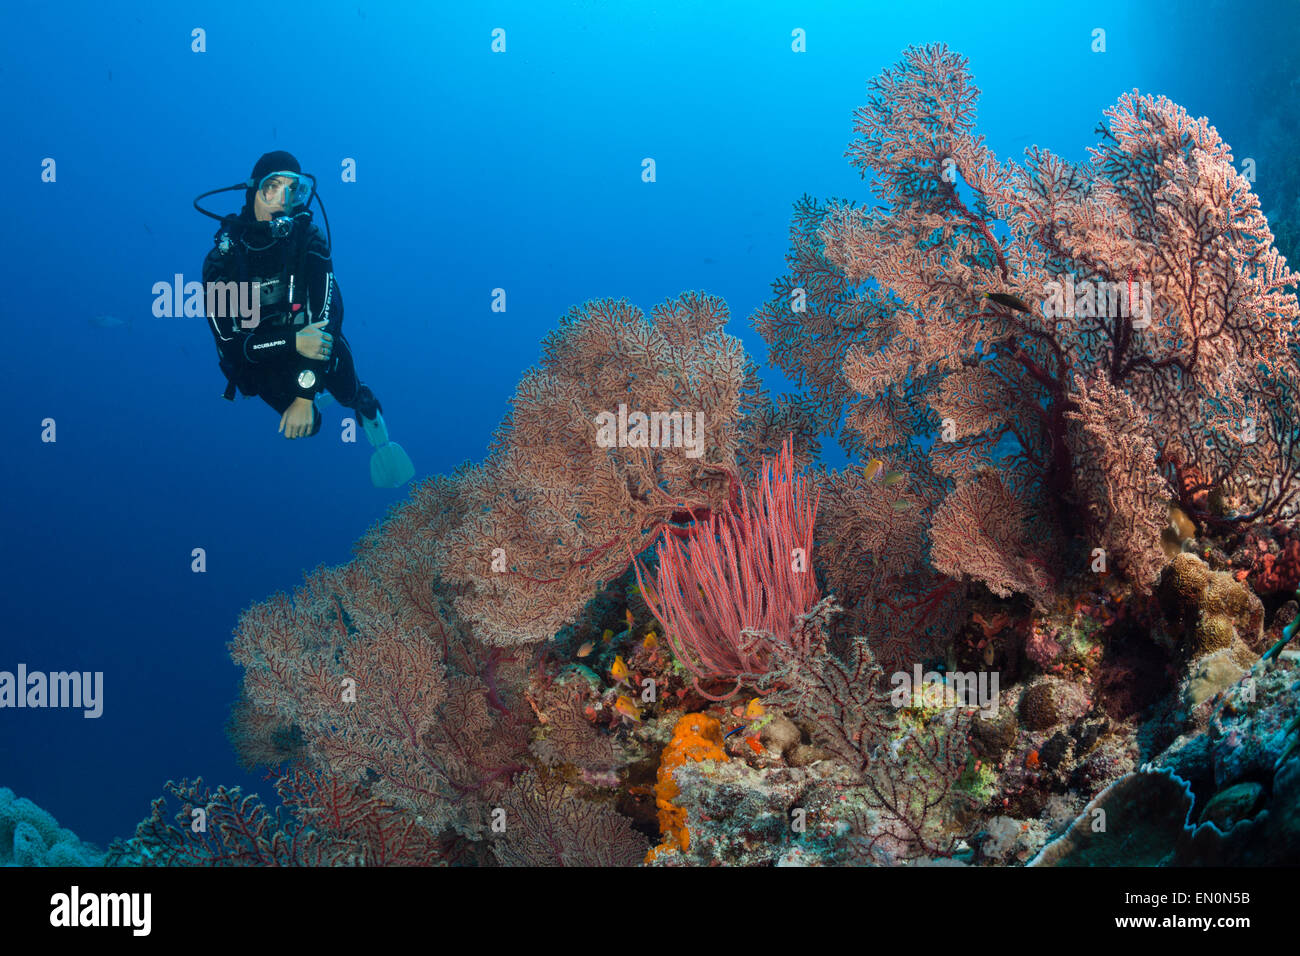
<point>1072,387</point>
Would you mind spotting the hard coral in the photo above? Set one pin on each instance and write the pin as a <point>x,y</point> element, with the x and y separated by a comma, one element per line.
<point>1039,707</point>
<point>1209,611</point>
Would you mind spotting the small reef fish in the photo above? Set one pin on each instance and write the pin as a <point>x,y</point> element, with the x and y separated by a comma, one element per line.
<point>607,636</point>
<point>754,710</point>
<point>586,649</point>
<point>1010,301</point>
<point>630,622</point>
<point>892,478</point>
<point>650,642</point>
<point>901,506</point>
<point>619,669</point>
<point>872,468</point>
<point>624,706</point>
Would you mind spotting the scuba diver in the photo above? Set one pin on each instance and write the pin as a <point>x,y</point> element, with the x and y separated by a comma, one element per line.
<point>293,347</point>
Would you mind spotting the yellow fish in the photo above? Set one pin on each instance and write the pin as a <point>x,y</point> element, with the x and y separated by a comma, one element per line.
<point>754,710</point>
<point>607,636</point>
<point>630,622</point>
<point>624,706</point>
<point>619,669</point>
<point>586,649</point>
<point>872,468</point>
<point>650,642</point>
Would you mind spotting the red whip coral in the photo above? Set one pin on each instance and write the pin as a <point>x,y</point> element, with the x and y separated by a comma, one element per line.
<point>972,305</point>
<point>740,580</point>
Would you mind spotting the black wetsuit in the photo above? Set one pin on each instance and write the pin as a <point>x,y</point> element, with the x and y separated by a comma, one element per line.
<point>264,360</point>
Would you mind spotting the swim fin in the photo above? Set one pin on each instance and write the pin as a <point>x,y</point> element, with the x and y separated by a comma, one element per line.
<point>390,465</point>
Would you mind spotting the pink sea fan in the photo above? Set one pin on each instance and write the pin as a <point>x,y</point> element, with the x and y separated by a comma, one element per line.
<point>1074,343</point>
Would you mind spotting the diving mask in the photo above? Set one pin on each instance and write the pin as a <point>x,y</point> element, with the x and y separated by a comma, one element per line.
<point>287,190</point>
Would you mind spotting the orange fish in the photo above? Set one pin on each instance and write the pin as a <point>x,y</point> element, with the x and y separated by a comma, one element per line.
<point>624,706</point>
<point>754,710</point>
<point>586,649</point>
<point>872,468</point>
<point>630,622</point>
<point>650,642</point>
<point>619,669</point>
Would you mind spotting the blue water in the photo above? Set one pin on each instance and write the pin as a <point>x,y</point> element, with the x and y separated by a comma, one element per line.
<point>475,171</point>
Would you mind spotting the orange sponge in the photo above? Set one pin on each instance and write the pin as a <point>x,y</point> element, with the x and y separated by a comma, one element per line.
<point>696,737</point>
